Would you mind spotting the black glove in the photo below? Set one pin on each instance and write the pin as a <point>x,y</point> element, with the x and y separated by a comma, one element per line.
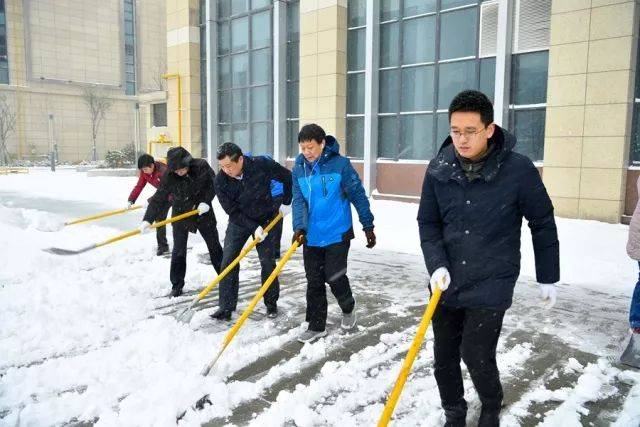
<point>300,236</point>
<point>371,237</point>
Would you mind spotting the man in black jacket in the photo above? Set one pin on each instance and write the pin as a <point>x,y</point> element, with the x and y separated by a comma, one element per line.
<point>250,190</point>
<point>475,194</point>
<point>191,183</point>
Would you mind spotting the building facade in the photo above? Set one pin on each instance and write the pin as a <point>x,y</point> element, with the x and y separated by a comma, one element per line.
<point>52,51</point>
<point>379,75</point>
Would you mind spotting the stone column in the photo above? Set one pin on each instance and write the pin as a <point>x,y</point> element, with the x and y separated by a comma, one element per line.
<point>323,65</point>
<point>590,106</point>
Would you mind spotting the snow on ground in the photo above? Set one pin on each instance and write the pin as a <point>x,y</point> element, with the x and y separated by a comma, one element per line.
<point>83,338</point>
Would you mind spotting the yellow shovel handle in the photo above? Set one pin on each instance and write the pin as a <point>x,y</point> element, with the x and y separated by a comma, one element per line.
<point>408,361</point>
<point>259,295</point>
<point>235,262</point>
<point>102,215</point>
<point>154,225</point>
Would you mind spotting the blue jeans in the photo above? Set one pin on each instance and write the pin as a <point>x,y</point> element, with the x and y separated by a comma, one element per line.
<point>634,312</point>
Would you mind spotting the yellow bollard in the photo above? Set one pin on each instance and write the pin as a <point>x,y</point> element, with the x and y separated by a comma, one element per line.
<point>408,361</point>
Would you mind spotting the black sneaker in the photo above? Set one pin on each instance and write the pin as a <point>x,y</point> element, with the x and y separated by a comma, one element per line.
<point>489,418</point>
<point>162,249</point>
<point>175,292</point>
<point>272,312</point>
<point>221,315</point>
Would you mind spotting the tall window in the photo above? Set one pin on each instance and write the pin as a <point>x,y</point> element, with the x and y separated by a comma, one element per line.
<point>356,47</point>
<point>129,48</point>
<point>427,55</point>
<point>245,79</point>
<point>635,133</point>
<point>293,76</point>
<point>4,58</point>
<point>529,66</point>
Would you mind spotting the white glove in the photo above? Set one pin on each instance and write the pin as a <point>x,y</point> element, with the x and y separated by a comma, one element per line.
<point>144,227</point>
<point>440,278</point>
<point>548,294</point>
<point>129,204</point>
<point>285,210</point>
<point>203,208</point>
<point>260,234</point>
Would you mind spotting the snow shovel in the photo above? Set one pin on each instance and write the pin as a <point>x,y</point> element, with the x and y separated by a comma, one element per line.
<point>232,332</point>
<point>101,215</point>
<point>408,361</point>
<point>631,354</point>
<point>187,314</point>
<point>61,251</point>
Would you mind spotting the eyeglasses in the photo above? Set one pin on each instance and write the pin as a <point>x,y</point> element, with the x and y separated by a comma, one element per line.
<point>468,134</point>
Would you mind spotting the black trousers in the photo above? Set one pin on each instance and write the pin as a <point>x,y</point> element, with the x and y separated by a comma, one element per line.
<point>470,334</point>
<point>268,250</point>
<point>206,225</point>
<point>161,232</point>
<point>326,265</point>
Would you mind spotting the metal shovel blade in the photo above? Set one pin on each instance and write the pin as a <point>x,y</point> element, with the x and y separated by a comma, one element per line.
<point>186,315</point>
<point>631,354</point>
<point>61,251</point>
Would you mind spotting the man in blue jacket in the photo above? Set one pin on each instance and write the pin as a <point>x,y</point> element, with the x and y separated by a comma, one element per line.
<point>250,190</point>
<point>475,194</point>
<point>324,187</point>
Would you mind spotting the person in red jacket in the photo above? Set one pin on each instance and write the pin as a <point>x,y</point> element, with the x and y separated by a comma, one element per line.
<point>151,172</point>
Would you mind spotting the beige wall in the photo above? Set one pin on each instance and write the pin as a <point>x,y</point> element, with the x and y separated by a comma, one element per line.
<point>589,106</point>
<point>323,65</point>
<point>81,42</point>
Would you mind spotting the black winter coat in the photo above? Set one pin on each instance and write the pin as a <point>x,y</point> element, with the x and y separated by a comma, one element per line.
<point>188,191</point>
<point>473,228</point>
<point>248,201</point>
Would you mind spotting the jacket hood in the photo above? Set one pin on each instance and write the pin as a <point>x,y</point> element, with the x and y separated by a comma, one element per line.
<point>331,148</point>
<point>178,158</point>
<point>445,165</point>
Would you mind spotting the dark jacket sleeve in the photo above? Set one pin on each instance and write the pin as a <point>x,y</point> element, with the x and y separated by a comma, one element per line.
<point>537,208</point>
<point>283,175</point>
<point>159,198</point>
<point>299,209</point>
<point>205,187</point>
<point>354,190</point>
<point>231,206</point>
<point>430,228</point>
<point>135,193</point>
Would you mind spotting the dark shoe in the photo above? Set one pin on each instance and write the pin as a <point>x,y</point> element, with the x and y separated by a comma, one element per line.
<point>272,312</point>
<point>456,416</point>
<point>489,418</point>
<point>162,249</point>
<point>176,292</point>
<point>222,315</point>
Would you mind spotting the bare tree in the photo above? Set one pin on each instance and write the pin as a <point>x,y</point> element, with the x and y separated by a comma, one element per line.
<point>157,79</point>
<point>98,105</point>
<point>7,126</point>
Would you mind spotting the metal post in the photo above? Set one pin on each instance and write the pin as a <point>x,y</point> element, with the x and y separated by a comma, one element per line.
<point>280,81</point>
<point>52,149</point>
<point>503,63</point>
<point>371,96</point>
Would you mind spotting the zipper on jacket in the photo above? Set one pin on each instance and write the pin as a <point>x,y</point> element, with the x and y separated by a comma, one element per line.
<point>324,187</point>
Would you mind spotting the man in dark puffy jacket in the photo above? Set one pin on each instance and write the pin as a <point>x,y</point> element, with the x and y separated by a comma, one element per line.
<point>324,187</point>
<point>475,194</point>
<point>151,172</point>
<point>190,183</point>
<point>250,190</point>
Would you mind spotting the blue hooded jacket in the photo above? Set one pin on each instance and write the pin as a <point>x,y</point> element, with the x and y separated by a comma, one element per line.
<point>323,191</point>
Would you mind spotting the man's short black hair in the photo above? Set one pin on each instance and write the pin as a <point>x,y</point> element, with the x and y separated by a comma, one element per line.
<point>311,131</point>
<point>475,102</point>
<point>145,160</point>
<point>229,149</point>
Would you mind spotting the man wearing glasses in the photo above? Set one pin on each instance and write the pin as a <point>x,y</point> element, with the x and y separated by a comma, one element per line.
<point>474,196</point>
